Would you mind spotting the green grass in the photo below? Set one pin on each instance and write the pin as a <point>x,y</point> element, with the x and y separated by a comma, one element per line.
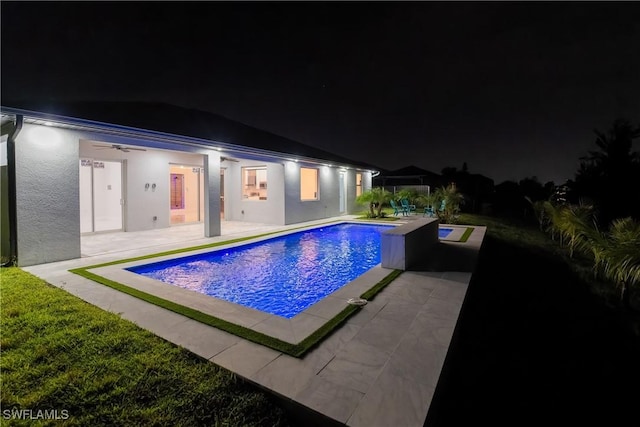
<point>467,233</point>
<point>59,352</point>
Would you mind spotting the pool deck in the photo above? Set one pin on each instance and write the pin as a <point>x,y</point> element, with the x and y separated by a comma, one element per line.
<point>380,368</point>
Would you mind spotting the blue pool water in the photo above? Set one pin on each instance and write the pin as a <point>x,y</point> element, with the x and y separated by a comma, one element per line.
<point>283,275</point>
<point>444,232</point>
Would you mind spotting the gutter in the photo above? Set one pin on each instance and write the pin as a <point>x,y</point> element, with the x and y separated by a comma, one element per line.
<point>12,191</point>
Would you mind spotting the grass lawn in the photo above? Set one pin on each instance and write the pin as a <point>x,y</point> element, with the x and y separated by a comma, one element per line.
<point>60,353</point>
<point>536,344</point>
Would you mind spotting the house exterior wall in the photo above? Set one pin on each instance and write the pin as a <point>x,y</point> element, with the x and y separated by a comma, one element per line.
<point>237,208</point>
<point>297,210</point>
<point>144,167</point>
<point>47,181</point>
<point>328,204</point>
<point>48,187</point>
<point>47,199</point>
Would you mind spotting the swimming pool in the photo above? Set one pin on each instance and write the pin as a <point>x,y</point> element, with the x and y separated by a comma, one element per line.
<point>283,275</point>
<point>444,232</point>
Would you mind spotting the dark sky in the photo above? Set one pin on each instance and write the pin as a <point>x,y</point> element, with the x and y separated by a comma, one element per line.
<point>513,89</point>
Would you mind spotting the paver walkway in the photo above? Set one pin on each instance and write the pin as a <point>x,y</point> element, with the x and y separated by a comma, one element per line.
<point>380,368</point>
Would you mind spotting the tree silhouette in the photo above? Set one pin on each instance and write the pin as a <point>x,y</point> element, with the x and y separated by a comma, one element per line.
<point>609,177</point>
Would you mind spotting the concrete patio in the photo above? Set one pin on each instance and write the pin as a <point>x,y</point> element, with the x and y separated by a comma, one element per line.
<point>380,368</point>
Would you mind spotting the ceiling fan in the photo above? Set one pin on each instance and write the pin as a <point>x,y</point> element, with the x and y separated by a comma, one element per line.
<point>120,147</point>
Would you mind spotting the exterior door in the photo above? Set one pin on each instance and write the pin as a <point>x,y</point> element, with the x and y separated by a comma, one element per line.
<point>101,197</point>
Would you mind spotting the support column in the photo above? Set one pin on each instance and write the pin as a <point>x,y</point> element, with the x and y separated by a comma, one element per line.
<point>212,194</point>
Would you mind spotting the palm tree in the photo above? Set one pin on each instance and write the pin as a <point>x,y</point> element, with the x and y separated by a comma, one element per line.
<point>616,253</point>
<point>575,224</point>
<point>617,256</point>
<point>426,200</point>
<point>448,201</point>
<point>407,193</point>
<point>376,197</point>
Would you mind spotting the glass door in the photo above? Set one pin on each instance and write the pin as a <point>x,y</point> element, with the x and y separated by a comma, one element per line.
<point>186,193</point>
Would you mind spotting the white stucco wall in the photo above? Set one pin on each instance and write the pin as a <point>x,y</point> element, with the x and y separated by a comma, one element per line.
<point>328,204</point>
<point>48,188</point>
<point>47,179</point>
<point>144,167</point>
<point>297,210</point>
<point>47,184</point>
<point>270,211</point>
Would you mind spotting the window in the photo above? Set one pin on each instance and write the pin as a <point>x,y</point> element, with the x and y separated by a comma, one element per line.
<point>358,184</point>
<point>308,184</point>
<point>254,183</point>
<point>177,191</point>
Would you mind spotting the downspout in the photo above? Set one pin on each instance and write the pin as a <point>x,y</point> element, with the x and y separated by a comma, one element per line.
<point>12,191</point>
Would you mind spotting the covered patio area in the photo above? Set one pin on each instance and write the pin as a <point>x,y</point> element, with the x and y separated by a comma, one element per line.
<point>167,238</point>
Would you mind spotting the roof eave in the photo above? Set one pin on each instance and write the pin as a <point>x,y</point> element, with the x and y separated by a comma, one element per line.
<point>61,121</point>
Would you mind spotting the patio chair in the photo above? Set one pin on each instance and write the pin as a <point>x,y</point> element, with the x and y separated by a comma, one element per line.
<point>409,208</point>
<point>428,210</point>
<point>397,209</point>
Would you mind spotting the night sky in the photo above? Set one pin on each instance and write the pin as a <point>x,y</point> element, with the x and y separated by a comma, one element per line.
<point>513,89</point>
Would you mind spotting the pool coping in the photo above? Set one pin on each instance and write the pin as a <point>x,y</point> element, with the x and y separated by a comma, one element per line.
<point>294,336</point>
<point>292,330</point>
